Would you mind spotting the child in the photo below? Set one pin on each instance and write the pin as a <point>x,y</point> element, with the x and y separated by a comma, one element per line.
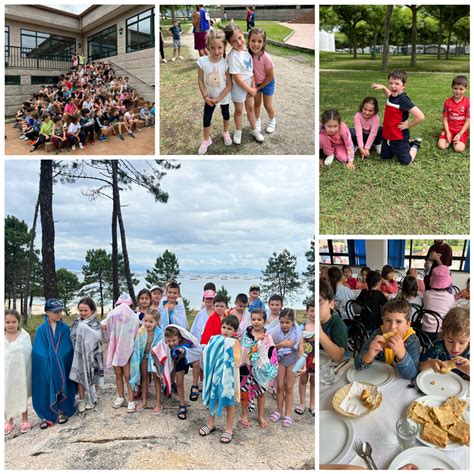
<point>289,345</point>
<point>342,294</point>
<point>176,31</point>
<point>45,132</point>
<point>87,368</point>
<point>156,295</point>
<point>73,132</point>
<point>87,127</point>
<point>420,283</point>
<point>130,120</point>
<point>172,356</point>
<point>396,128</point>
<point>275,304</point>
<point>221,361</point>
<point>215,85</point>
<point>243,88</point>
<point>453,345</point>
<point>409,292</point>
<point>374,299</point>
<point>17,361</point>
<point>121,327</point>
<point>264,77</point>
<point>367,131</point>
<point>162,47</point>
<point>214,322</point>
<point>141,362</point>
<point>58,137</point>
<point>333,336</point>
<point>241,313</point>
<point>145,115</point>
<point>172,310</point>
<point>254,299</point>
<point>308,334</point>
<point>258,368</point>
<point>144,301</point>
<point>401,350</point>
<point>100,126</point>
<point>388,285</point>
<point>33,127</point>
<point>456,117</point>
<point>464,294</point>
<point>335,139</point>
<point>350,281</point>
<point>362,280</point>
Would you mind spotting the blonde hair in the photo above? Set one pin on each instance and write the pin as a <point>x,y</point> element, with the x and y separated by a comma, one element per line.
<point>216,35</point>
<point>155,314</point>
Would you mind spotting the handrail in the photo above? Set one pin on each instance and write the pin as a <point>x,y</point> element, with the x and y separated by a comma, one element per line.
<point>116,66</point>
<point>34,58</point>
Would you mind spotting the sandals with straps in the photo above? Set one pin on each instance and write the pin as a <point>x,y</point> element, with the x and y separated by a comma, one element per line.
<point>226,437</point>
<point>205,430</point>
<point>275,416</point>
<point>182,413</point>
<point>194,395</point>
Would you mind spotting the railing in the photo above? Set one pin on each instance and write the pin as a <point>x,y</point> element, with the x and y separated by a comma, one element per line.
<point>128,73</point>
<point>28,58</point>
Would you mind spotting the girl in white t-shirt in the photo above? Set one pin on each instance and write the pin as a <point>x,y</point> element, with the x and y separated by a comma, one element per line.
<point>243,88</point>
<point>215,85</point>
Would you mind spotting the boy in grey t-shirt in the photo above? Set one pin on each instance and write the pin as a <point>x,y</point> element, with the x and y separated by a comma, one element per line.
<point>176,30</point>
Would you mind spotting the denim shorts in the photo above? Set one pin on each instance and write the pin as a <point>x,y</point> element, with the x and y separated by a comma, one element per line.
<point>269,89</point>
<point>176,43</point>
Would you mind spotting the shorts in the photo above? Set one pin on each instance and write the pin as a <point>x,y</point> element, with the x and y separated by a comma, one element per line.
<point>200,40</point>
<point>288,359</point>
<point>463,139</point>
<point>176,43</point>
<point>181,366</point>
<point>269,89</point>
<point>398,148</point>
<point>238,94</point>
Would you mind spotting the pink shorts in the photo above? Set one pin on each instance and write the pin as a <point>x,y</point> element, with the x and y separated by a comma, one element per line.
<point>464,137</point>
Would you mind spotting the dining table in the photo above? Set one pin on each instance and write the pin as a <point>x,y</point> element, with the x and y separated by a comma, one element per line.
<point>379,427</point>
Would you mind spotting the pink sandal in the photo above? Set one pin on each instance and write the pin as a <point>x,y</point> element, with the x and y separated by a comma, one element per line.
<point>25,426</point>
<point>9,425</point>
<point>287,422</point>
<point>275,416</point>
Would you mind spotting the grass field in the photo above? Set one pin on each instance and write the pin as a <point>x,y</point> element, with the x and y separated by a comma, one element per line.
<point>430,196</point>
<point>273,29</point>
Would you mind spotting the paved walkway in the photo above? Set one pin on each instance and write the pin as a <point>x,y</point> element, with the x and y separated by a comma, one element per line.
<point>304,34</point>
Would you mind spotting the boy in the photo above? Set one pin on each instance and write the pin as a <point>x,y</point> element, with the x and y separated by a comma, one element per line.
<point>456,117</point>
<point>45,132</point>
<point>395,343</point>
<point>130,119</point>
<point>452,352</point>
<point>87,127</point>
<point>221,381</point>
<point>203,315</point>
<point>240,311</point>
<point>145,115</point>
<point>275,304</point>
<point>213,325</point>
<point>333,337</point>
<point>173,311</point>
<point>254,299</point>
<point>395,132</point>
<point>176,30</point>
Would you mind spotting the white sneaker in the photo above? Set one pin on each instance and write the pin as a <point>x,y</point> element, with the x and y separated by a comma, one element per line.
<point>227,139</point>
<point>173,60</point>
<point>271,125</point>
<point>205,144</point>
<point>180,57</point>
<point>378,149</point>
<point>164,60</point>
<point>238,137</point>
<point>257,135</point>
<point>89,405</point>
<point>258,124</point>
<point>329,159</point>
<point>118,402</point>
<point>131,407</point>
<point>81,406</point>
<point>73,147</point>
<point>81,146</point>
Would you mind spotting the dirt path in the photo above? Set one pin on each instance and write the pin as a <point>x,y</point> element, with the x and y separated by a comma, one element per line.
<point>107,438</point>
<point>294,105</point>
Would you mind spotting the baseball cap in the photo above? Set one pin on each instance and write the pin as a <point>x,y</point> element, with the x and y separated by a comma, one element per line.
<point>53,305</point>
<point>254,287</point>
<point>209,294</point>
<point>156,287</point>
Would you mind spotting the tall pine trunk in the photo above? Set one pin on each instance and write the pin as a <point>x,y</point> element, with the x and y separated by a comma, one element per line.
<point>440,32</point>
<point>414,33</point>
<point>386,41</point>
<point>115,262</point>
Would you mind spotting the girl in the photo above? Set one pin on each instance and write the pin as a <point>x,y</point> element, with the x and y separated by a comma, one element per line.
<point>45,132</point>
<point>350,281</point>
<point>421,284</point>
<point>264,77</point>
<point>361,282</point>
<point>17,355</point>
<point>215,86</point>
<point>156,295</point>
<point>144,301</point>
<point>335,139</point>
<point>409,292</point>
<point>464,294</point>
<point>342,294</point>
<point>289,345</point>
<point>367,131</point>
<point>258,369</point>
<point>52,390</point>
<point>141,362</point>
<point>388,285</point>
<point>243,88</point>
<point>374,299</point>
<point>58,137</point>
<point>88,363</point>
<point>121,327</point>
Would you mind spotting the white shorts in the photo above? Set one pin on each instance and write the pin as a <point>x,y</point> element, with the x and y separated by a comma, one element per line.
<point>238,94</point>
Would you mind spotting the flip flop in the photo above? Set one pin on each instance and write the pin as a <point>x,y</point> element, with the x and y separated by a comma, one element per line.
<point>287,422</point>
<point>244,424</point>
<point>46,424</point>
<point>205,430</point>
<point>275,416</point>
<point>156,411</point>
<point>299,410</point>
<point>226,437</point>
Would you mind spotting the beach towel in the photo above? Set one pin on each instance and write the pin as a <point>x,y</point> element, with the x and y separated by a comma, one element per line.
<point>199,323</point>
<point>294,335</point>
<point>257,304</point>
<point>176,316</point>
<point>243,325</point>
<point>139,353</point>
<point>52,390</point>
<point>88,361</point>
<point>270,327</point>
<point>17,357</point>
<point>220,387</point>
<point>122,327</point>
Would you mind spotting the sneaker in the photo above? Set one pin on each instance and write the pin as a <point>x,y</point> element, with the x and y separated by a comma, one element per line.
<point>227,139</point>
<point>205,144</point>
<point>173,60</point>
<point>92,142</point>
<point>89,405</point>
<point>329,159</point>
<point>258,124</point>
<point>131,134</point>
<point>164,60</point>
<point>238,137</point>
<point>416,143</point>
<point>131,407</point>
<point>180,57</point>
<point>118,402</point>
<point>73,147</point>
<point>257,135</point>
<point>81,146</point>
<point>81,406</point>
<point>378,149</point>
<point>121,136</point>
<point>271,126</point>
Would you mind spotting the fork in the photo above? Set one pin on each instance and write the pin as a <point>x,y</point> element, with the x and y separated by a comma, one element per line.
<point>360,452</point>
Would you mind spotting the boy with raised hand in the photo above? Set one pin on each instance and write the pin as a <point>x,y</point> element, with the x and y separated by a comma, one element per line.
<point>396,127</point>
<point>172,310</point>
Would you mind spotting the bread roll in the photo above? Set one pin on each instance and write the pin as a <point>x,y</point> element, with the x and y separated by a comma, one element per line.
<point>364,395</point>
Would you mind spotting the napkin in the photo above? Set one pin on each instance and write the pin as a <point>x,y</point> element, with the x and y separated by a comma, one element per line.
<point>352,403</point>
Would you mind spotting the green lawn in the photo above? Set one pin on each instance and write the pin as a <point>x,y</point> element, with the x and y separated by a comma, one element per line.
<point>273,29</point>
<point>425,63</point>
<point>430,196</point>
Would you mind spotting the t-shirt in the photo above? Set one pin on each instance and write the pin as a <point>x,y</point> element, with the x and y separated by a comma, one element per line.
<point>240,62</point>
<point>336,330</point>
<point>176,32</point>
<point>375,300</point>
<point>341,297</point>
<point>396,111</point>
<point>456,113</point>
<point>261,64</point>
<point>73,128</point>
<point>439,351</point>
<point>214,76</point>
<point>47,128</point>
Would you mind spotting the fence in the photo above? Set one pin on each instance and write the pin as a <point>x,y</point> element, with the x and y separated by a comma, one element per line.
<point>28,58</point>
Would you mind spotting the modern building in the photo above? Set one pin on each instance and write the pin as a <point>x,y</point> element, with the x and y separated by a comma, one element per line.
<point>40,42</point>
<point>276,12</point>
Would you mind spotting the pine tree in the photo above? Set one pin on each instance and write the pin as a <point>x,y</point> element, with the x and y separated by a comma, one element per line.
<point>166,269</point>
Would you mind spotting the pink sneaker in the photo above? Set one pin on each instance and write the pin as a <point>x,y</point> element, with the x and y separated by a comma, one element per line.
<point>227,139</point>
<point>204,146</point>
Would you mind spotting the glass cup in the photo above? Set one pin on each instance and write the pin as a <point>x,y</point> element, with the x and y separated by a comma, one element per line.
<point>327,374</point>
<point>407,431</point>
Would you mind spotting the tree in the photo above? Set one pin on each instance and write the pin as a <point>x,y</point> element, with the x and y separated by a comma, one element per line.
<point>68,286</point>
<point>166,269</point>
<point>98,266</point>
<point>374,24</point>
<point>309,274</point>
<point>349,17</point>
<point>223,292</point>
<point>386,42</point>
<point>455,13</point>
<point>414,12</point>
<point>280,276</point>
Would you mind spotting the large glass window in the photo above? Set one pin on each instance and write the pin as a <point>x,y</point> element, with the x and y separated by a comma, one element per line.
<point>141,31</point>
<point>36,44</point>
<point>102,44</point>
<point>7,41</point>
<point>334,252</point>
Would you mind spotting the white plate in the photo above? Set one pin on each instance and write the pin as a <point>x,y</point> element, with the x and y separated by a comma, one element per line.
<point>424,458</point>
<point>435,401</point>
<point>323,357</point>
<point>379,374</point>
<point>336,436</point>
<point>445,385</point>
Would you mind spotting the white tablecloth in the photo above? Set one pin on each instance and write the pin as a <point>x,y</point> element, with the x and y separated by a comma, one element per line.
<point>378,428</point>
